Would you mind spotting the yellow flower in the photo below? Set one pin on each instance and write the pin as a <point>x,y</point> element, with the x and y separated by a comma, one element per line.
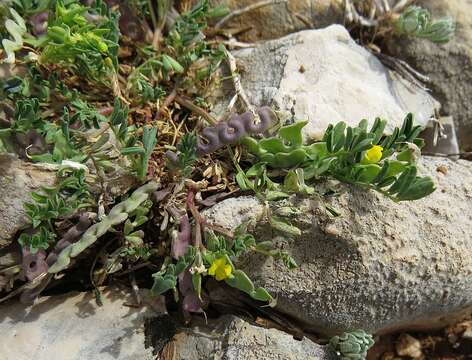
<point>373,155</point>
<point>220,269</point>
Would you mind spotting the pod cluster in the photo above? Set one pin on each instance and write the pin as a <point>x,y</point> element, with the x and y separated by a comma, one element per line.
<point>35,264</point>
<point>230,132</point>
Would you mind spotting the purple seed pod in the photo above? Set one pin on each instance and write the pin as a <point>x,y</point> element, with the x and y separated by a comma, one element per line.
<point>40,23</point>
<point>28,296</point>
<point>71,236</point>
<point>34,264</point>
<point>212,141</point>
<point>172,157</point>
<point>265,114</point>
<point>231,131</point>
<point>190,302</point>
<point>180,244</point>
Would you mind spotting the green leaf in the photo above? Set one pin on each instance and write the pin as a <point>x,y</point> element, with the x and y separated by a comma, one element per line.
<point>241,281</point>
<point>338,136</point>
<point>367,173</point>
<point>133,150</point>
<point>276,195</point>
<point>273,145</point>
<point>163,284</point>
<point>293,133</point>
<point>284,227</point>
<point>262,294</point>
<point>243,182</point>
<point>197,284</point>
<point>293,158</point>
<point>294,181</point>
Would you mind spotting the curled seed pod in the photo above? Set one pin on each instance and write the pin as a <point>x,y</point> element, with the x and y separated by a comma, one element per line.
<point>34,264</point>
<point>236,128</point>
<point>172,157</point>
<point>231,131</point>
<point>213,142</point>
<point>40,23</point>
<point>118,214</point>
<point>32,291</point>
<point>265,115</point>
<point>71,236</point>
<point>31,143</point>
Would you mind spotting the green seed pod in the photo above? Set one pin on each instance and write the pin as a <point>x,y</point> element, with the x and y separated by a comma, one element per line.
<point>117,215</point>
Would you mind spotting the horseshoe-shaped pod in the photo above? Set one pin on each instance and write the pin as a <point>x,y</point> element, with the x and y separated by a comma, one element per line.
<point>231,131</point>
<point>34,264</point>
<point>265,114</point>
<point>211,135</point>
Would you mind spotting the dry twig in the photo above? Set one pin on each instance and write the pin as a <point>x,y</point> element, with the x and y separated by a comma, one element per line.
<point>246,9</point>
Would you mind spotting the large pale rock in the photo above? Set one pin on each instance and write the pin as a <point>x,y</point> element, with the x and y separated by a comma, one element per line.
<point>73,327</point>
<point>231,338</point>
<point>324,77</point>
<point>449,66</point>
<point>279,19</point>
<point>380,265</point>
<point>17,180</point>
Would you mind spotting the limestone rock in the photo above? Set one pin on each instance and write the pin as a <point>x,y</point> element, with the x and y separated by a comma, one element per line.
<point>231,338</point>
<point>234,211</point>
<point>379,266</point>
<point>17,180</point>
<point>73,327</point>
<point>324,77</point>
<point>280,19</point>
<point>449,66</point>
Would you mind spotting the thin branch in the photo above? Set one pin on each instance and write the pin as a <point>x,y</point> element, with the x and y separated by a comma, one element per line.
<point>196,109</point>
<point>246,9</point>
<point>353,16</point>
<point>167,101</point>
<point>233,43</point>
<point>399,6</point>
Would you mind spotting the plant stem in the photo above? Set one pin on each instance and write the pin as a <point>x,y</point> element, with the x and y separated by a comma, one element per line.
<point>153,15</point>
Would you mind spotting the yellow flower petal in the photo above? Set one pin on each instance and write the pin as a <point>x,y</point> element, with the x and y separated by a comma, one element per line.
<point>212,269</point>
<point>220,269</point>
<point>228,270</point>
<point>373,155</point>
<point>220,274</point>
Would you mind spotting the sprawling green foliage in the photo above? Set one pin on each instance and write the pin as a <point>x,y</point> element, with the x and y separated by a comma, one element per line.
<point>416,21</point>
<point>53,204</point>
<point>223,251</point>
<point>343,155</point>
<point>87,48</point>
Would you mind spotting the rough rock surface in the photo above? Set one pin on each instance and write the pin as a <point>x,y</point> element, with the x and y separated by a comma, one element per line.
<point>449,66</point>
<point>380,265</point>
<point>234,211</point>
<point>17,180</point>
<point>277,20</point>
<point>324,77</point>
<point>73,327</point>
<point>231,338</point>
